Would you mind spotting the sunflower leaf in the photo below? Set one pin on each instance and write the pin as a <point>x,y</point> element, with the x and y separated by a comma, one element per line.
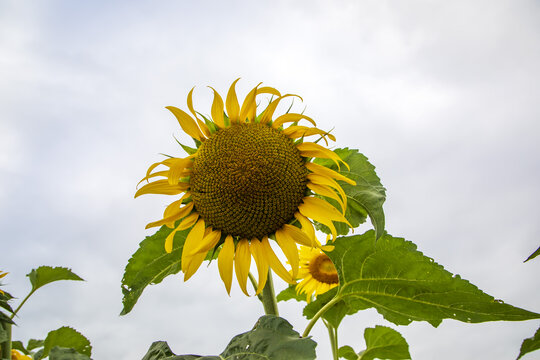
<point>366,197</point>
<point>335,314</point>
<point>533,255</point>
<point>150,264</point>
<point>66,337</point>
<point>384,343</point>
<point>272,338</point>
<point>290,294</point>
<point>403,285</point>
<point>44,275</point>
<point>62,353</point>
<point>530,344</point>
<point>18,345</point>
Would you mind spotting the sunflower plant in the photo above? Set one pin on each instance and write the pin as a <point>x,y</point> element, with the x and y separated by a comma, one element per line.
<point>62,343</point>
<point>255,192</point>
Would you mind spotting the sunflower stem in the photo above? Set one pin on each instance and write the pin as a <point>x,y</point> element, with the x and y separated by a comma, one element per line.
<point>332,334</point>
<point>269,297</point>
<point>319,314</point>
<point>6,345</point>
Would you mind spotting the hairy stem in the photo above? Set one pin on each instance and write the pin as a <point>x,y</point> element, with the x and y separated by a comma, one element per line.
<point>269,297</point>
<point>6,345</point>
<point>319,314</point>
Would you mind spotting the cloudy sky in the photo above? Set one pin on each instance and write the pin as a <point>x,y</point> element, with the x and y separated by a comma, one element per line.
<point>441,96</point>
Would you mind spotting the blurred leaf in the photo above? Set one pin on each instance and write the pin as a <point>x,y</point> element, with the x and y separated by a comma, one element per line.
<point>347,352</point>
<point>403,285</point>
<point>61,353</point>
<point>66,337</point>
<point>44,275</point>
<point>533,255</point>
<point>4,335</point>
<point>18,345</point>
<point>530,344</point>
<point>272,338</point>
<point>5,319</point>
<point>34,344</point>
<point>384,343</point>
<point>290,294</point>
<point>5,297</point>
<point>367,196</point>
<point>150,265</point>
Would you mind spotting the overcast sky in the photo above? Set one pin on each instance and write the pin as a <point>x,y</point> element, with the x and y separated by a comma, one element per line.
<point>442,97</point>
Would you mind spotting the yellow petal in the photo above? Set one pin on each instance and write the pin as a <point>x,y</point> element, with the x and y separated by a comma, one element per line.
<point>298,235</point>
<point>217,110</point>
<point>275,263</point>
<point>249,106</point>
<point>194,262</point>
<point>287,244</point>
<point>323,170</point>
<point>162,187</point>
<point>186,123</point>
<point>307,226</point>
<point>309,149</point>
<point>225,262</point>
<point>209,241</point>
<point>159,173</point>
<point>328,192</point>
<point>329,182</point>
<point>231,103</point>
<point>172,215</point>
<point>194,237</point>
<point>242,262</point>
<point>261,262</point>
<point>268,90</point>
<point>201,123</point>
<point>295,132</point>
<point>321,211</point>
<point>169,241</point>
<point>271,108</point>
<point>188,221</point>
<point>291,117</point>
<point>177,169</point>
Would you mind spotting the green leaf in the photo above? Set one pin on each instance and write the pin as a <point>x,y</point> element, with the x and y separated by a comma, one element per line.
<point>290,294</point>
<point>530,344</point>
<point>4,299</point>
<point>403,285</point>
<point>367,196</point>
<point>66,337</point>
<point>18,345</point>
<point>335,314</point>
<point>34,344</point>
<point>150,265</point>
<point>159,350</point>
<point>533,255</point>
<point>61,353</point>
<point>347,352</point>
<point>272,338</point>
<point>44,275</point>
<point>5,319</point>
<point>384,343</point>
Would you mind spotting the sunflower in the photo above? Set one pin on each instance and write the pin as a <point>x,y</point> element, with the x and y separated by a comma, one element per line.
<point>15,355</point>
<point>317,272</point>
<point>249,179</point>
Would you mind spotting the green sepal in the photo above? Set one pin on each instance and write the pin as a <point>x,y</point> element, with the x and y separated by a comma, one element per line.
<point>530,344</point>
<point>5,319</point>
<point>150,264</point>
<point>4,301</point>
<point>44,275</point>
<point>364,198</point>
<point>66,337</point>
<point>211,126</point>
<point>403,285</point>
<point>533,255</point>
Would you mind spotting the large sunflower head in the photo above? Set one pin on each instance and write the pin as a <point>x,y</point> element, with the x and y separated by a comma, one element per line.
<point>250,179</point>
<point>317,272</point>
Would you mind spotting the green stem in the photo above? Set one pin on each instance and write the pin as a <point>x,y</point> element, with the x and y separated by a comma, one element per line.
<point>21,304</point>
<point>6,345</point>
<point>319,314</point>
<point>255,285</point>
<point>332,334</point>
<point>269,297</point>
